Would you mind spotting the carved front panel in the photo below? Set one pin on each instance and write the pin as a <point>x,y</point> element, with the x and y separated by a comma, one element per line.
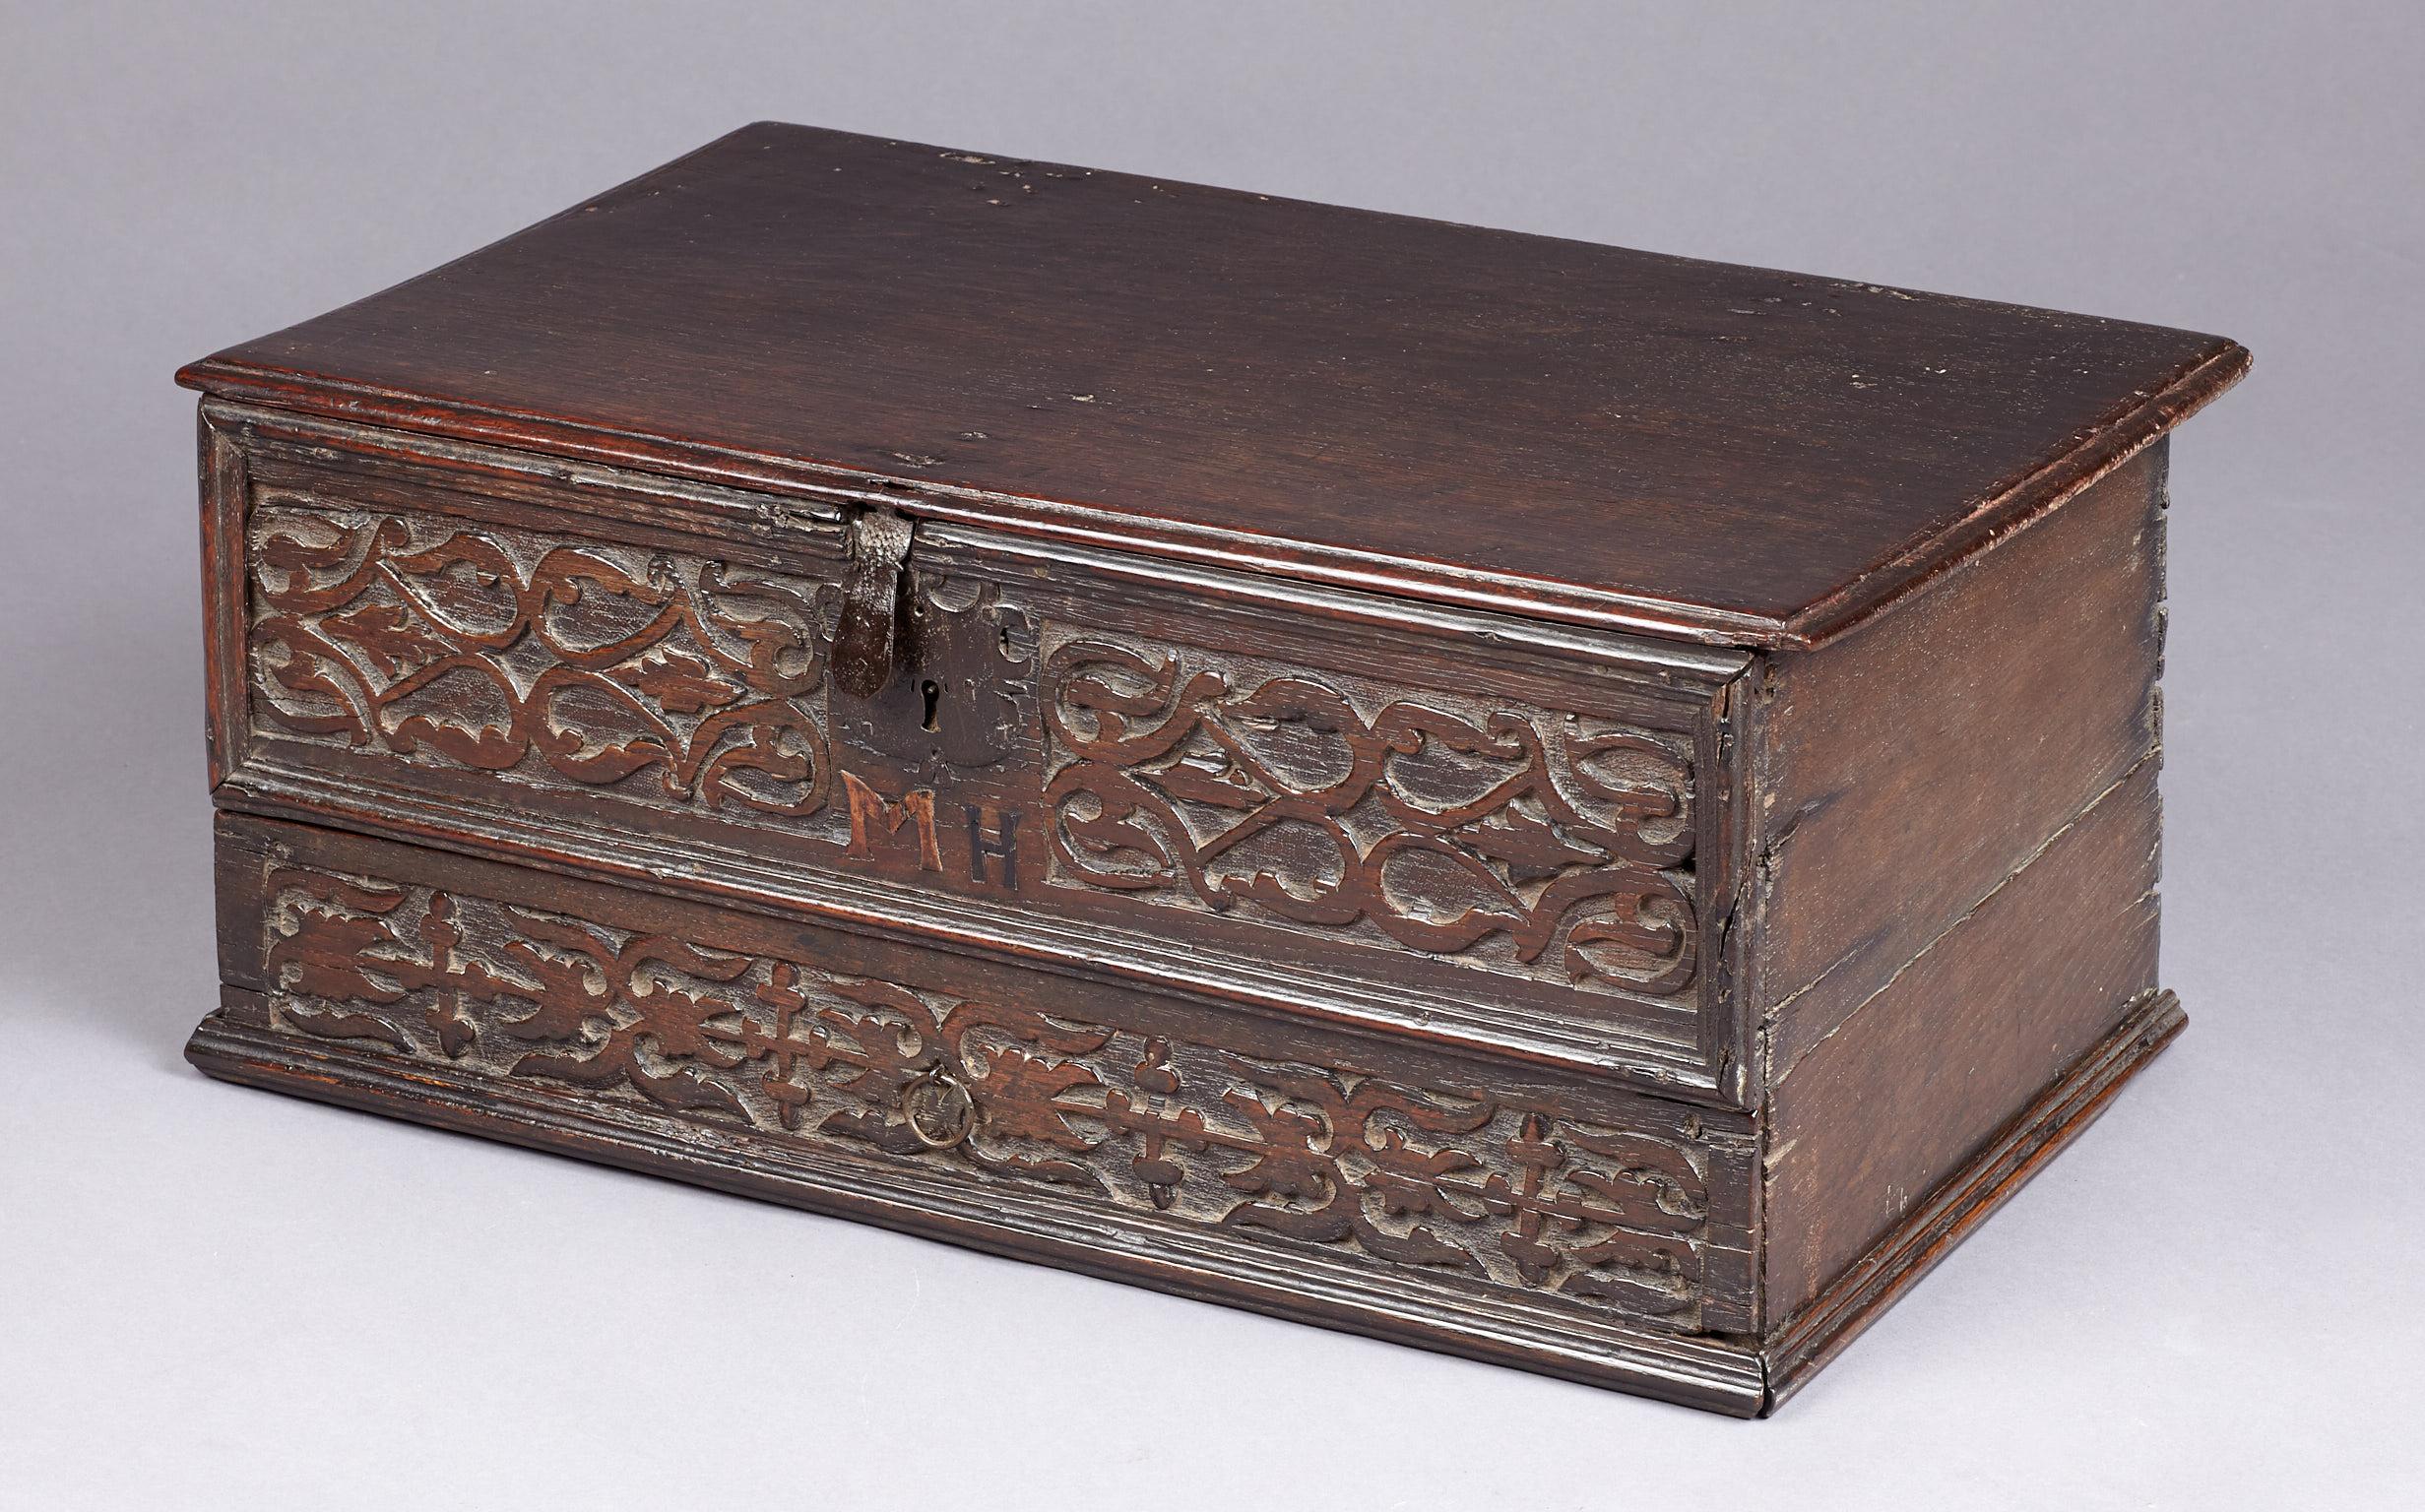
<point>1502,836</point>
<point>1511,838</point>
<point>673,678</point>
<point>1411,821</point>
<point>1451,1179</point>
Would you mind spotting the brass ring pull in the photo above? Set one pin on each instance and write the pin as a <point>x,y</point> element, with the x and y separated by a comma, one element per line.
<point>937,1108</point>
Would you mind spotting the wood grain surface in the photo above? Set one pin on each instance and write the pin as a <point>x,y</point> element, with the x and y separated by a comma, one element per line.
<point>1892,1100</point>
<point>1908,770</point>
<point>1584,809</point>
<point>1718,452</point>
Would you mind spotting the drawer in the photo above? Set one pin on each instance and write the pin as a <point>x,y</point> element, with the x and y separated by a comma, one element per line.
<point>983,1100</point>
<point>1454,826</point>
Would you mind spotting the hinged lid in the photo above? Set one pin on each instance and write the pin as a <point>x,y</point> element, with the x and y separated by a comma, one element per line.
<point>1579,432</point>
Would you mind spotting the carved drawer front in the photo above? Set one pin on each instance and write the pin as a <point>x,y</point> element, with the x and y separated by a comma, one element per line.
<point>1031,1095</point>
<point>1491,831</point>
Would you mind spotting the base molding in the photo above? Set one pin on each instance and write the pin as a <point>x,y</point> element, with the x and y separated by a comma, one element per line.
<point>1855,1299</point>
<point>1723,1374</point>
<point>1717,1373</point>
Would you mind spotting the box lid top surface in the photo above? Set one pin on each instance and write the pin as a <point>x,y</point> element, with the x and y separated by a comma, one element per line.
<point>1692,448</point>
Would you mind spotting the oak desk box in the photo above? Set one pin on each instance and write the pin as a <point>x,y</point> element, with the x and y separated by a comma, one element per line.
<point>1585,809</point>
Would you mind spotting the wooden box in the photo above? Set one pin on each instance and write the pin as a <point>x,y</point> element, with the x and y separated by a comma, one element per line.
<point>1583,808</point>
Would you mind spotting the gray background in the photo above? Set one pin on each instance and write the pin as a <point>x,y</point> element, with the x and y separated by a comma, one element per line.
<point>216,1298</point>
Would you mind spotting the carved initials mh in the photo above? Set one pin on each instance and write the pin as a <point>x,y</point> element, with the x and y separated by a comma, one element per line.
<point>1003,845</point>
<point>870,811</point>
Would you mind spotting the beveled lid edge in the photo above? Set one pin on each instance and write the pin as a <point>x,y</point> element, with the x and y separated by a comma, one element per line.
<point>1430,581</point>
<point>1995,518</point>
<point>2021,502</point>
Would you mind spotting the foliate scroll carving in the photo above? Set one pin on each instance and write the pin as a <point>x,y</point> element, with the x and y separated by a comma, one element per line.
<point>558,659</point>
<point>1448,1181</point>
<point>1514,838</point>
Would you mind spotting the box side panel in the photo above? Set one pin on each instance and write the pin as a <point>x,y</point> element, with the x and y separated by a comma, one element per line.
<point>1902,774</point>
<point>1865,1126</point>
<point>1955,857</point>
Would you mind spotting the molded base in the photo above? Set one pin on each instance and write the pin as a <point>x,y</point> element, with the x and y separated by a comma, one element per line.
<point>1721,1374</point>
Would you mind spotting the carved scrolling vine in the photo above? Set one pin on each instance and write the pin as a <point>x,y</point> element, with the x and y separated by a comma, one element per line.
<point>1412,1176</point>
<point>496,650</point>
<point>1512,839</point>
<point>1215,785</point>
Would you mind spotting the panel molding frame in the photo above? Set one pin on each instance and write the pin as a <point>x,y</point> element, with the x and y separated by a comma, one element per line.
<point>246,449</point>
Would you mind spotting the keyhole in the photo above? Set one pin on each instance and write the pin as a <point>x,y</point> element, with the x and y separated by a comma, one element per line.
<point>932,695</point>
